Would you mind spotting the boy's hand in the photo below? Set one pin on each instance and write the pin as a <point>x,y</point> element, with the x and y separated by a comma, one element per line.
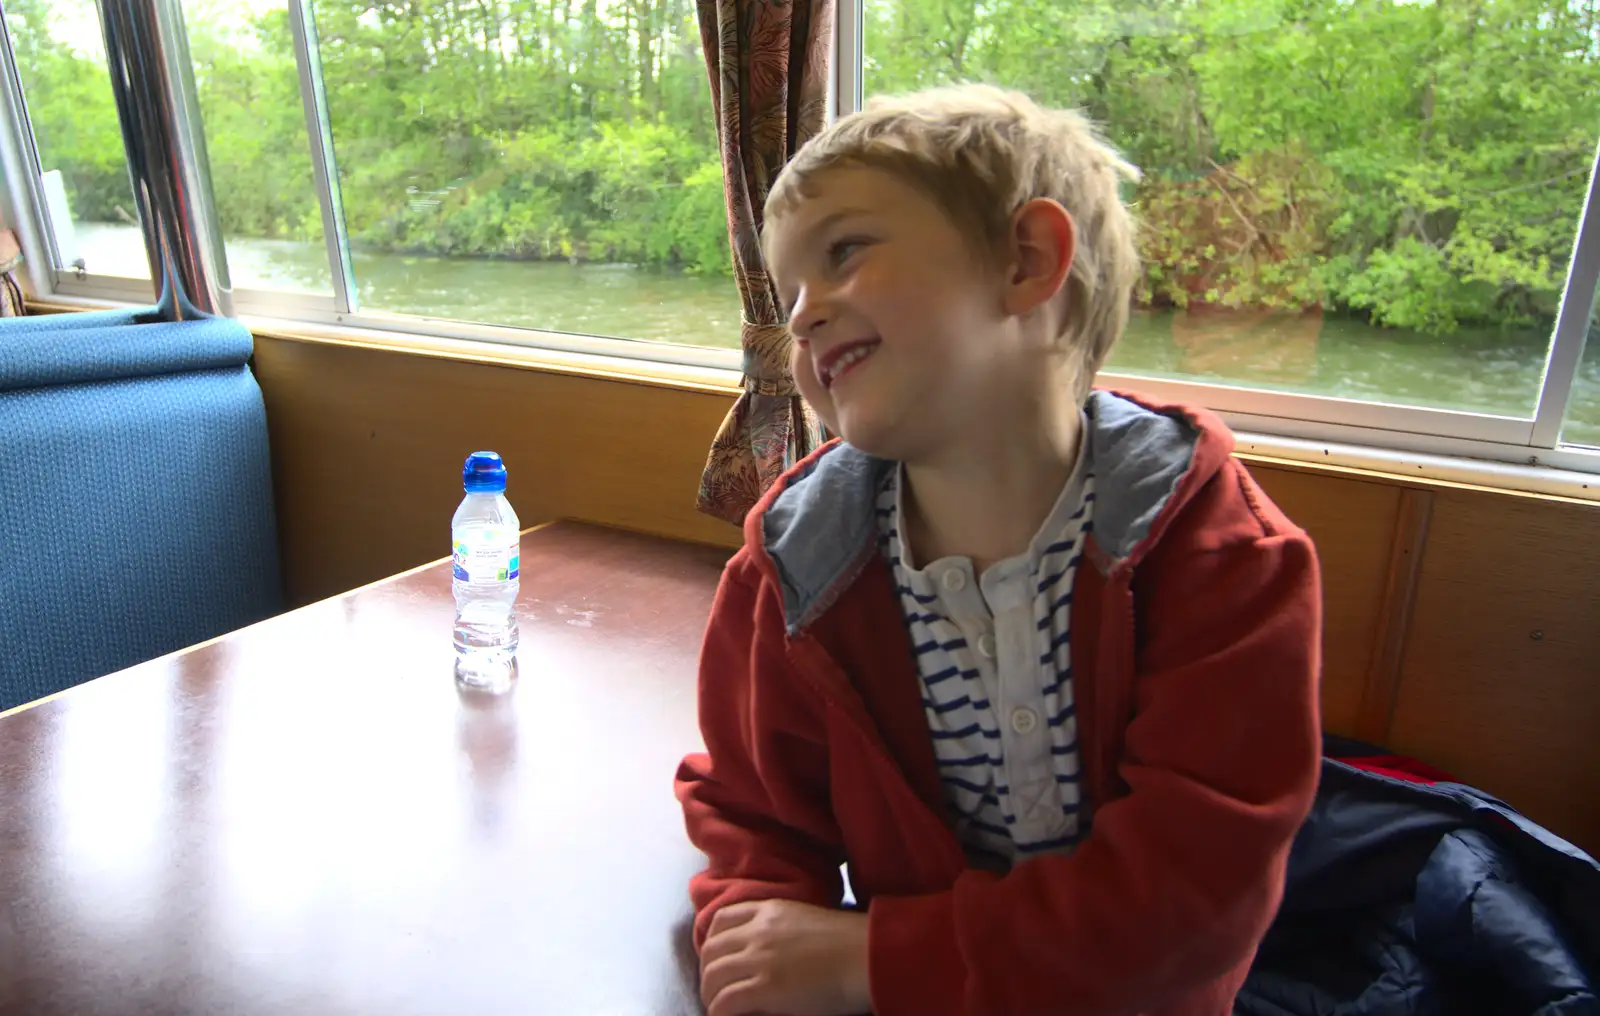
<point>779,956</point>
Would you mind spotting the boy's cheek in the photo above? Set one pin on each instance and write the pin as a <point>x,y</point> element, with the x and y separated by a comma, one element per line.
<point>820,404</point>
<point>805,378</point>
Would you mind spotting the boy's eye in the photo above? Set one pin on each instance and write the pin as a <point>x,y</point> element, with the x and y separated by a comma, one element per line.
<point>840,250</point>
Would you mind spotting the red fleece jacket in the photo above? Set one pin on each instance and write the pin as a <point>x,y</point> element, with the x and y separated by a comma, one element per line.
<point>1195,661</point>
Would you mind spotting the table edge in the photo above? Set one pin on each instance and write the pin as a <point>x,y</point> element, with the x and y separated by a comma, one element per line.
<point>186,650</point>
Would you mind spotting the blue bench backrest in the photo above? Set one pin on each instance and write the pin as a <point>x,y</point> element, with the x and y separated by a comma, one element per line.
<point>135,496</point>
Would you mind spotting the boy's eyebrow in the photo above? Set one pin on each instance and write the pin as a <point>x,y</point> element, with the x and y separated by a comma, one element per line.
<point>827,222</point>
<point>833,219</point>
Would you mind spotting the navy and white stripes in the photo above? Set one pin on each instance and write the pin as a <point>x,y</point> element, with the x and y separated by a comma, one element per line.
<point>994,656</point>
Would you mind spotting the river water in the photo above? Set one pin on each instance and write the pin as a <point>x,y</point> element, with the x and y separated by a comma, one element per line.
<point>1476,370</point>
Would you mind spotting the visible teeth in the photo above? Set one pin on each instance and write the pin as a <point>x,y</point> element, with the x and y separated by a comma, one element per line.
<point>845,361</point>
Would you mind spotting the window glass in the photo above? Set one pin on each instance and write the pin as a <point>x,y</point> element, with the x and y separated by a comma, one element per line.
<point>1583,411</point>
<point>1371,199</point>
<point>550,165</point>
<point>266,197</point>
<point>256,139</point>
<point>61,62</point>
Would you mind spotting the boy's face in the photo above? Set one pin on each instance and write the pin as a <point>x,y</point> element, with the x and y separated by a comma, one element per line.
<point>899,329</point>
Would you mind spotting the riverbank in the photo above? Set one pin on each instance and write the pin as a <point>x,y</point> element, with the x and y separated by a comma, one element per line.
<point>1483,370</point>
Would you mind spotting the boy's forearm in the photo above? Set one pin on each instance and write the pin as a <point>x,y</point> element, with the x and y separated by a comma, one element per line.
<point>750,857</point>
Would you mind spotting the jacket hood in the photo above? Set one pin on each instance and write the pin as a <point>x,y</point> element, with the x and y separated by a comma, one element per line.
<point>815,530</point>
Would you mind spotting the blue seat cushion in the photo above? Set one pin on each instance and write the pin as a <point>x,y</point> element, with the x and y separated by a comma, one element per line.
<point>135,499</point>
<point>65,322</point>
<point>51,358</point>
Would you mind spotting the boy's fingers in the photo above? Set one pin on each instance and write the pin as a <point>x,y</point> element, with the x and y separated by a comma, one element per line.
<point>716,947</point>
<point>718,974</point>
<point>722,943</point>
<point>741,998</point>
<point>730,916</point>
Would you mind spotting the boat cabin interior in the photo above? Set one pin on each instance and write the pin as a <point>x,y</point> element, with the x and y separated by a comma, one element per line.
<point>274,269</point>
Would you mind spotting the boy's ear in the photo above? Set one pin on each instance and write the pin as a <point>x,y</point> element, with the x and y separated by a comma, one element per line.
<point>1043,242</point>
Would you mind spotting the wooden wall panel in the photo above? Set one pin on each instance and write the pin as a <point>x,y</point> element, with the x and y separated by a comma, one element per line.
<point>1352,523</point>
<point>367,447</point>
<point>1501,682</point>
<point>1394,615</point>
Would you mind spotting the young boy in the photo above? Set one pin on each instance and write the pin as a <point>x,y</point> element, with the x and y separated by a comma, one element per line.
<point>1039,665</point>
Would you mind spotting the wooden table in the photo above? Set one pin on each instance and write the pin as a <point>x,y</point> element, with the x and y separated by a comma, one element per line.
<point>305,817</point>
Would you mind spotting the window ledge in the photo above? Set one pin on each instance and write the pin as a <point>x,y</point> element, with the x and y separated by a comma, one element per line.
<point>1419,469</point>
<point>1361,461</point>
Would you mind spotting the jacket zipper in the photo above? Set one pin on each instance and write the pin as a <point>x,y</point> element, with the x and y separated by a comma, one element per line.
<point>1113,662</point>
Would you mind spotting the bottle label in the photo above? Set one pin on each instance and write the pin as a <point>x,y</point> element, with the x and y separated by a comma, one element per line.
<point>487,555</point>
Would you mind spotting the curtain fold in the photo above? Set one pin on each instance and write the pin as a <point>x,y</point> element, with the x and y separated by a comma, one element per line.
<point>768,61</point>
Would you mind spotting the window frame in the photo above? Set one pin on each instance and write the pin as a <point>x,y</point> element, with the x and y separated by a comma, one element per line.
<point>21,186</point>
<point>1258,413</point>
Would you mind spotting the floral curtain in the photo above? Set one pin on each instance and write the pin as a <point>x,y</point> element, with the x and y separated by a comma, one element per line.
<point>768,62</point>
<point>10,291</point>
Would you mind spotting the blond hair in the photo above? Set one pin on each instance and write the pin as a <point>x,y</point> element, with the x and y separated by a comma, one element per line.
<point>981,153</point>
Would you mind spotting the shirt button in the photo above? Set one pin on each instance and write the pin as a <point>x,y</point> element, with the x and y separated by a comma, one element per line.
<point>955,581</point>
<point>1023,721</point>
<point>986,646</point>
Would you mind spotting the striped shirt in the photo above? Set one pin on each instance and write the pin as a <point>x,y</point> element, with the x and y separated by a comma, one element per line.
<point>995,660</point>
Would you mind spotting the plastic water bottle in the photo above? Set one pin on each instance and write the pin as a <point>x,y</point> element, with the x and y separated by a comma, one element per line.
<point>487,558</point>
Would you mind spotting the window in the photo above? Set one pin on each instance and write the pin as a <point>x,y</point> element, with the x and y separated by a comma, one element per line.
<point>1583,412</point>
<point>1370,200</point>
<point>540,165</point>
<point>248,86</point>
<point>498,162</point>
<point>61,66</point>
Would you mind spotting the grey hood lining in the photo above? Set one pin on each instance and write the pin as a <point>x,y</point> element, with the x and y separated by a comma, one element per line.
<point>821,530</point>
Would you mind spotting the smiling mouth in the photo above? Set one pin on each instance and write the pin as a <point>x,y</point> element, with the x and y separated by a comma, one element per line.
<point>843,360</point>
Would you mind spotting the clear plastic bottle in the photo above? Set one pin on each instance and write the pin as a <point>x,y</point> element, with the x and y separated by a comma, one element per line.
<point>485,540</point>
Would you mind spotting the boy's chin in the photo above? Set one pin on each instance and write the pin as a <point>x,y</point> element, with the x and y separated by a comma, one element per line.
<point>863,431</point>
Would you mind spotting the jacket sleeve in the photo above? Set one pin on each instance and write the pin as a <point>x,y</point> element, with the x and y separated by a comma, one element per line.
<point>1177,881</point>
<point>757,800</point>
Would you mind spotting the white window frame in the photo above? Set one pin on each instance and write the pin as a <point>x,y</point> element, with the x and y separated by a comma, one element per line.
<point>1299,425</point>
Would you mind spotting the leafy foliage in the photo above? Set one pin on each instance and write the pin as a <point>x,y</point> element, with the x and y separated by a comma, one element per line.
<point>1420,163</point>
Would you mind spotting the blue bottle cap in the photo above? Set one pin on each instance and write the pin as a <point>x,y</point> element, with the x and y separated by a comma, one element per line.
<point>484,473</point>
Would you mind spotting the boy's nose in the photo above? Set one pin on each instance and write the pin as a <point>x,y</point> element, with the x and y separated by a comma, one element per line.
<point>808,317</point>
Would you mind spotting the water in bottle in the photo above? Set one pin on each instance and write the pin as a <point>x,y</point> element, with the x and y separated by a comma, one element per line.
<point>484,536</point>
